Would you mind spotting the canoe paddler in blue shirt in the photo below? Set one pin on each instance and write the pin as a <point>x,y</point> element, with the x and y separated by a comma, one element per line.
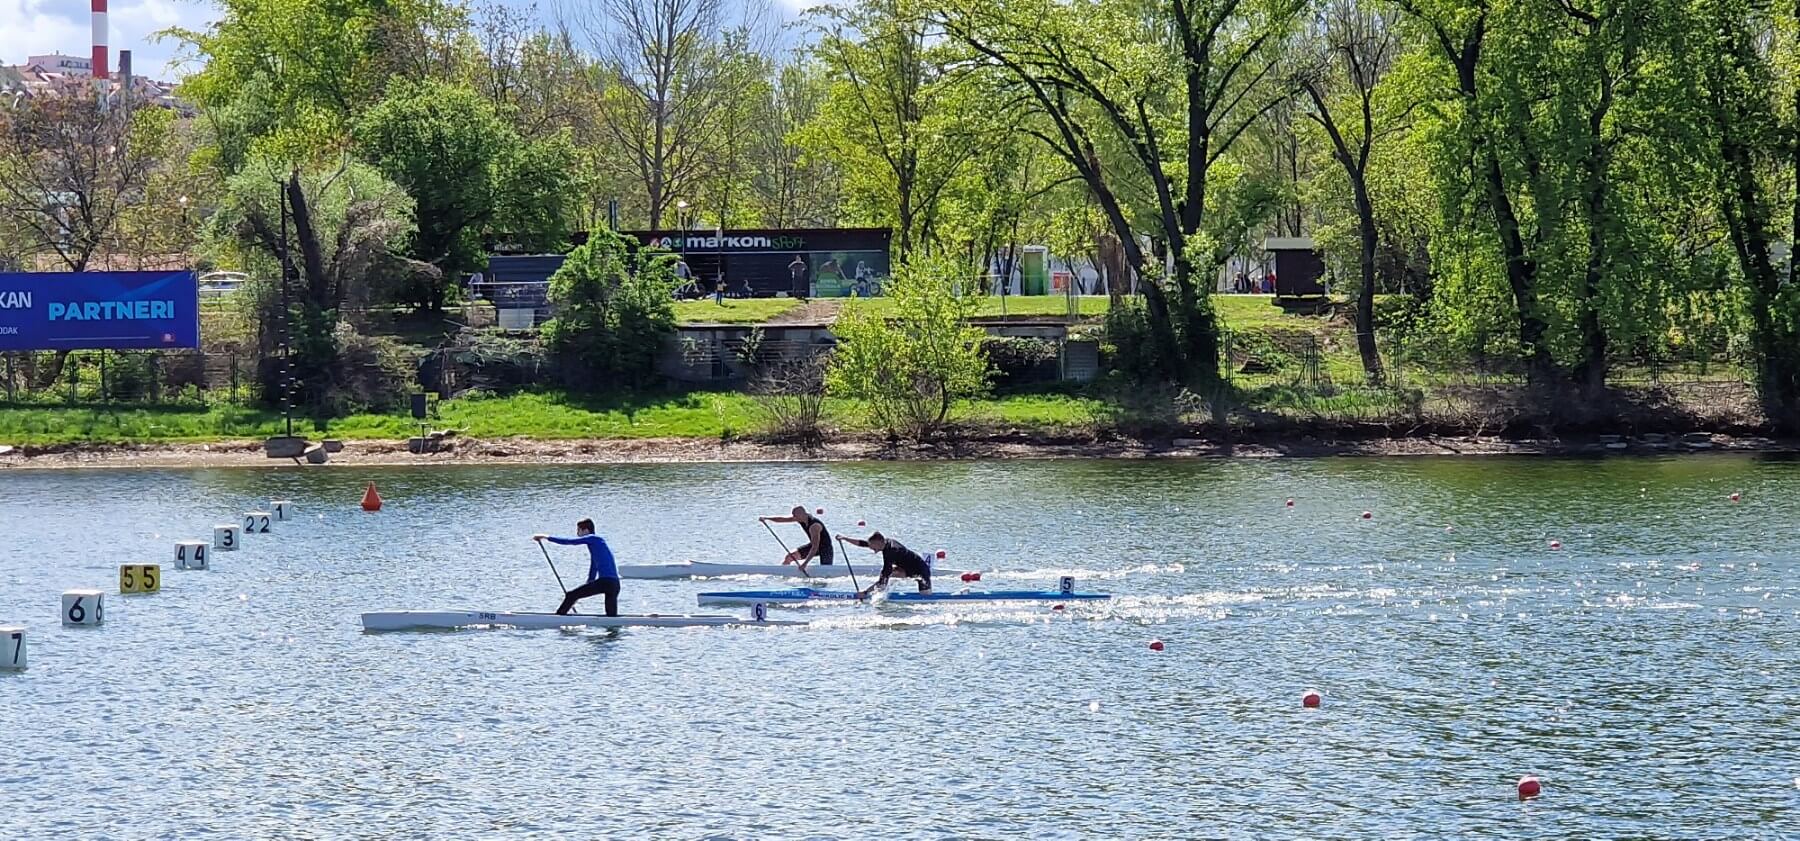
<point>818,538</point>
<point>896,559</point>
<point>603,574</point>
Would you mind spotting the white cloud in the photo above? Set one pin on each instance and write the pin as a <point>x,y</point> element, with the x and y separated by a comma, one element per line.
<point>43,26</point>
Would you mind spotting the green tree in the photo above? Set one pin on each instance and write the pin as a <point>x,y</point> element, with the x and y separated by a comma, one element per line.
<point>469,174</point>
<point>614,312</point>
<point>911,368</point>
<point>1151,145</point>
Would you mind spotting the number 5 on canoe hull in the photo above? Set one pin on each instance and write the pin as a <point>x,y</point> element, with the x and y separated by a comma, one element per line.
<point>140,578</point>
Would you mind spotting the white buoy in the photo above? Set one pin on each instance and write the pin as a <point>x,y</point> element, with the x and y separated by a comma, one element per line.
<point>82,607</point>
<point>282,509</point>
<point>227,538</point>
<point>257,522</point>
<point>12,646</point>
<point>190,554</point>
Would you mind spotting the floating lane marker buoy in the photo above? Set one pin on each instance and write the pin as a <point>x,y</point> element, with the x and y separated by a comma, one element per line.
<point>258,522</point>
<point>1529,787</point>
<point>12,647</point>
<point>1290,502</point>
<point>226,537</point>
<point>1367,515</point>
<point>82,607</point>
<point>1312,699</point>
<point>140,578</point>
<point>371,500</point>
<point>1156,645</point>
<point>1555,545</point>
<point>282,509</point>
<point>1735,496</point>
<point>190,554</point>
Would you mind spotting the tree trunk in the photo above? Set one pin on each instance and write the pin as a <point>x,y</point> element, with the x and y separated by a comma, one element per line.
<point>1365,303</point>
<point>1521,275</point>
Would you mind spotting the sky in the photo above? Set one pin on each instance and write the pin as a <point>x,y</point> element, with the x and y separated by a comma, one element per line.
<point>36,27</point>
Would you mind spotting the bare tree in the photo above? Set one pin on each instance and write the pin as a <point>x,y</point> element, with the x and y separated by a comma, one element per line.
<point>667,89</point>
<point>69,172</point>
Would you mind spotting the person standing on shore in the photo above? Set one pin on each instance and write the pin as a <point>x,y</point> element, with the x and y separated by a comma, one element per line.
<point>818,539</point>
<point>603,573</point>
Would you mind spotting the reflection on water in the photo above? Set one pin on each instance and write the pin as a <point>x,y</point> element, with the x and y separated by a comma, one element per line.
<point>1644,670</point>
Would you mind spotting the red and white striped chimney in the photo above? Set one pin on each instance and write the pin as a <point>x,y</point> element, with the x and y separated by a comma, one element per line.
<point>99,39</point>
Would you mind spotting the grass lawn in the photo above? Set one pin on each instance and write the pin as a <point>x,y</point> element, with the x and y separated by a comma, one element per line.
<point>735,310</point>
<point>546,415</point>
<point>1015,306</point>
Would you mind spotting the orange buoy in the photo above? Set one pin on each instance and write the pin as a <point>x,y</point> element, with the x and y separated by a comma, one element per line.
<point>1156,645</point>
<point>1312,699</point>
<point>1529,787</point>
<point>371,499</point>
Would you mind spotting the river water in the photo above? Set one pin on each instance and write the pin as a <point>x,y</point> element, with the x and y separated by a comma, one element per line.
<point>1645,671</point>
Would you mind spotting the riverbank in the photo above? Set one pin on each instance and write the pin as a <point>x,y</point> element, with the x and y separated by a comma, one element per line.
<point>516,450</point>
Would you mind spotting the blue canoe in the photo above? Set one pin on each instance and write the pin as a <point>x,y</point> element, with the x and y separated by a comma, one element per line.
<point>804,595</point>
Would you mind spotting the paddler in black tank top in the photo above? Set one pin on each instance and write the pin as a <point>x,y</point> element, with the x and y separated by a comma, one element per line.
<point>896,559</point>
<point>818,538</point>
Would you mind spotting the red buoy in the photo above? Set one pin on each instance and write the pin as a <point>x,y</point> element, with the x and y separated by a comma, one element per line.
<point>820,512</point>
<point>1555,544</point>
<point>940,554</point>
<point>371,500</point>
<point>1290,502</point>
<point>861,523</point>
<point>974,576</point>
<point>1312,699</point>
<point>1529,787</point>
<point>1735,496</point>
<point>1367,515</point>
<point>1156,645</point>
<point>966,579</point>
<point>1056,607</point>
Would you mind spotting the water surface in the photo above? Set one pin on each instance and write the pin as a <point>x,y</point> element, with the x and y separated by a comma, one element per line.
<point>1646,671</point>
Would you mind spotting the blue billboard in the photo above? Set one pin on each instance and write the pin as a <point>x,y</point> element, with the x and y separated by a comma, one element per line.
<point>94,310</point>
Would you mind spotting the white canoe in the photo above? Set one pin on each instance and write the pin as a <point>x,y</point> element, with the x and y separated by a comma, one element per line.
<point>696,569</point>
<point>408,620</point>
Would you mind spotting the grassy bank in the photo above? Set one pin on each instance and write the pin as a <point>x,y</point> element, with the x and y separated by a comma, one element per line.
<point>547,415</point>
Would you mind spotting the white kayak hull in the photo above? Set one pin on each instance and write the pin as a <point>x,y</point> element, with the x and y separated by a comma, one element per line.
<point>696,569</point>
<point>409,620</point>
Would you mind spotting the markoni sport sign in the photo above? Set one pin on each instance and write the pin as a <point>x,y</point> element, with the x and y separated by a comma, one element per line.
<point>99,310</point>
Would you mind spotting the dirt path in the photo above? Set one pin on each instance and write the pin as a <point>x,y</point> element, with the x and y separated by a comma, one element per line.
<point>815,311</point>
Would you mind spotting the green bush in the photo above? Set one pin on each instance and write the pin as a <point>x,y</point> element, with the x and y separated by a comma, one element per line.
<point>614,309</point>
<point>1016,359</point>
<point>1126,346</point>
<point>911,368</point>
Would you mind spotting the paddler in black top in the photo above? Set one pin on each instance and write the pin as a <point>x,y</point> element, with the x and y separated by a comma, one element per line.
<point>895,559</point>
<point>818,539</point>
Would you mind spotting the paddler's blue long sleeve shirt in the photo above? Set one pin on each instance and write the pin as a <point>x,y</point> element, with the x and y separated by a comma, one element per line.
<point>600,557</point>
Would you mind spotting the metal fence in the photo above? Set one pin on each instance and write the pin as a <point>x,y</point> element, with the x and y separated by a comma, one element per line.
<point>142,377</point>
